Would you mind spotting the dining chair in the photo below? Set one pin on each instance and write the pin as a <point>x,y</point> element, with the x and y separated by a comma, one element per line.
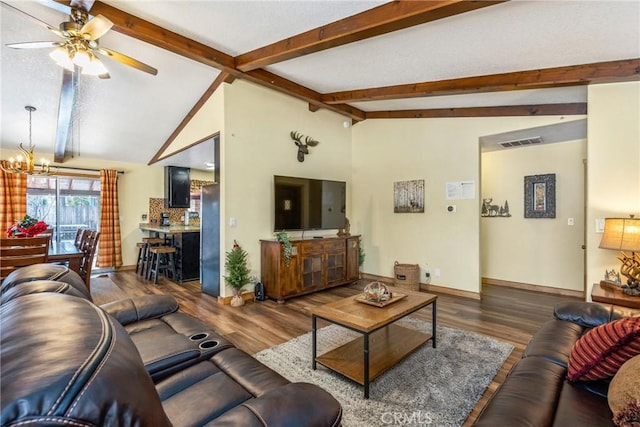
<point>88,246</point>
<point>20,252</point>
<point>79,235</point>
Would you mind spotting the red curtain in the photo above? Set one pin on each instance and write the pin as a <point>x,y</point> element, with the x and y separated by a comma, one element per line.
<point>109,247</point>
<point>13,198</point>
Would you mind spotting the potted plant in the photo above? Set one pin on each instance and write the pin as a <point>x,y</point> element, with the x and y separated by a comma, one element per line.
<point>237,272</point>
<point>287,248</point>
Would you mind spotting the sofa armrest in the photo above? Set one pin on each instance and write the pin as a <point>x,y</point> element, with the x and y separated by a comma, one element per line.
<point>591,314</point>
<point>134,309</point>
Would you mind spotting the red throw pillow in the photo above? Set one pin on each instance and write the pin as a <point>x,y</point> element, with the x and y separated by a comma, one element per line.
<point>600,352</point>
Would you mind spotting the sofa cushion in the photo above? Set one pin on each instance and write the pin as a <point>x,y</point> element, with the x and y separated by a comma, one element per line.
<point>601,351</point>
<point>554,341</point>
<point>624,393</point>
<point>234,389</point>
<point>580,407</point>
<point>528,396</point>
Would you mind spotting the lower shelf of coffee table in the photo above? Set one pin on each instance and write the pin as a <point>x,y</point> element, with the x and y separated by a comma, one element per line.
<point>387,347</point>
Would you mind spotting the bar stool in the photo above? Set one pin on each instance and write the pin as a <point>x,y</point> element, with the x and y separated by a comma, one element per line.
<point>144,257</point>
<point>162,258</point>
<point>141,253</point>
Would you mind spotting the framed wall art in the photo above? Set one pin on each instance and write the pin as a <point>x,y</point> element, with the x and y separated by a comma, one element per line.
<point>408,196</point>
<point>540,196</point>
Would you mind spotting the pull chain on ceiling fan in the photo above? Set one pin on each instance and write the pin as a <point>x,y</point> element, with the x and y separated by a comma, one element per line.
<point>80,45</point>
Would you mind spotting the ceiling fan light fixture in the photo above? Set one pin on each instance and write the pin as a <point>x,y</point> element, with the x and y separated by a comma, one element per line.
<point>81,58</point>
<point>95,67</point>
<point>61,56</point>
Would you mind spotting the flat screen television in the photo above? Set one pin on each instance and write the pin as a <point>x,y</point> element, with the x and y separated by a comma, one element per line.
<point>308,204</point>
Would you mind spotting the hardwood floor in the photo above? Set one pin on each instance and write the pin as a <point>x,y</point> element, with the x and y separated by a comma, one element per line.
<point>507,314</point>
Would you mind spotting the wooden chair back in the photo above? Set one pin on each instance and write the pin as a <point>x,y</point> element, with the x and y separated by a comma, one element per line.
<point>20,252</point>
<point>88,246</point>
<point>79,235</point>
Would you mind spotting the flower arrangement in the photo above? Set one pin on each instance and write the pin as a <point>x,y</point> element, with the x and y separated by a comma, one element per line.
<point>28,226</point>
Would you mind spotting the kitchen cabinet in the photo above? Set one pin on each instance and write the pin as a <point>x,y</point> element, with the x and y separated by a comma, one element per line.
<point>315,264</point>
<point>177,187</point>
<point>187,256</point>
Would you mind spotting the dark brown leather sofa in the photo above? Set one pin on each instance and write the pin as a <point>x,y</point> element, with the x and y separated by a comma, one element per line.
<point>536,392</point>
<point>135,362</point>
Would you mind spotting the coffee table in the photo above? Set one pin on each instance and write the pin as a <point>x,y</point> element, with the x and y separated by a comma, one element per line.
<point>382,344</point>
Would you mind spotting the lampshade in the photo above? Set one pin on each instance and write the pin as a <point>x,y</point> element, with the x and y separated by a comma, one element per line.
<point>621,234</point>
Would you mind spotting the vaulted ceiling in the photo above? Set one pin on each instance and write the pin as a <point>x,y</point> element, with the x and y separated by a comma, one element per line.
<point>362,59</point>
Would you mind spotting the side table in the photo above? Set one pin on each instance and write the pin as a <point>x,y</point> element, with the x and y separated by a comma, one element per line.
<point>613,296</point>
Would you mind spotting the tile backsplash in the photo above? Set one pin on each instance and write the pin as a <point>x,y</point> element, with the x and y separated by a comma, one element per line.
<point>156,206</point>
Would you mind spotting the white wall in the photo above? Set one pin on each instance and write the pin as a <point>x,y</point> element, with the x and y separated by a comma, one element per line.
<point>438,151</point>
<point>545,252</point>
<point>256,146</point>
<point>614,165</point>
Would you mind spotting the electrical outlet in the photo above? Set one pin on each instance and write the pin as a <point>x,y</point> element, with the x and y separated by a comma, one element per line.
<point>436,272</point>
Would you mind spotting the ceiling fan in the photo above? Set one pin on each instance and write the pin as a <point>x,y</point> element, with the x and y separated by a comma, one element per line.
<point>79,47</point>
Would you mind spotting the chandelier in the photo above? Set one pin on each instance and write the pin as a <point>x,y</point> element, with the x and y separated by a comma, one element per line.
<point>24,163</point>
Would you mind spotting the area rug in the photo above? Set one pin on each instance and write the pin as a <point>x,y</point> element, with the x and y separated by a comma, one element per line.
<point>436,387</point>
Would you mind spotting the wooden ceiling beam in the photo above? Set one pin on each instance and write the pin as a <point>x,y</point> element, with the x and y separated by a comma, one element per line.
<point>380,20</point>
<point>280,84</point>
<point>66,105</point>
<point>600,72</point>
<point>500,111</point>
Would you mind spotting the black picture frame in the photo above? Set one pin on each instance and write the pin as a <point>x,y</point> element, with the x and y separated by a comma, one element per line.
<point>540,196</point>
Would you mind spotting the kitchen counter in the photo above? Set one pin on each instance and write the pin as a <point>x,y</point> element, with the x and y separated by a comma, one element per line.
<point>186,240</point>
<point>172,229</point>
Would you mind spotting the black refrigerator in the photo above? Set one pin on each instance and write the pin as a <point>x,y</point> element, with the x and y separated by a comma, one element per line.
<point>210,239</point>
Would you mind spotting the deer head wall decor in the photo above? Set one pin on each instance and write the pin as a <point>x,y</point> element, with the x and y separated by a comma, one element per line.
<point>303,147</point>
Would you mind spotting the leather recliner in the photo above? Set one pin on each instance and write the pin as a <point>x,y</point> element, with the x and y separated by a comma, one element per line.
<point>219,386</point>
<point>167,340</point>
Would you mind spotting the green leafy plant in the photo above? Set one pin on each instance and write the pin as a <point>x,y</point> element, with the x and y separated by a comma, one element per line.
<point>287,247</point>
<point>236,267</point>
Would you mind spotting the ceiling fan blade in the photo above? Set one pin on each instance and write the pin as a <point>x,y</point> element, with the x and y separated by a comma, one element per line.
<point>42,23</point>
<point>34,45</point>
<point>127,60</point>
<point>96,27</point>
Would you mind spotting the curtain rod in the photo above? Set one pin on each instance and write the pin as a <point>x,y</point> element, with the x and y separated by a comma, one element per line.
<point>72,168</point>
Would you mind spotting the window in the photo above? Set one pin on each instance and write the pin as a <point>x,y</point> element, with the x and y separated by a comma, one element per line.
<point>66,203</point>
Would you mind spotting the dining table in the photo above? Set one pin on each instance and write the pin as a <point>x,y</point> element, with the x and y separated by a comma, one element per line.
<point>67,252</point>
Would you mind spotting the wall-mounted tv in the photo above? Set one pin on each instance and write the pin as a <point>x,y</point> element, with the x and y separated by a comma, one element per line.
<point>308,204</point>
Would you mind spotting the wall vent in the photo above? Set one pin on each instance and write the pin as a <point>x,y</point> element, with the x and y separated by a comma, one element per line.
<point>521,142</point>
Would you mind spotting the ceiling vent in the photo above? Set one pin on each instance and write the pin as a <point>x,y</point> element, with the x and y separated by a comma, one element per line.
<point>521,142</point>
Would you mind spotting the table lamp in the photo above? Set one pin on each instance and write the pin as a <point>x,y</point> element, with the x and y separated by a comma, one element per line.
<point>623,234</point>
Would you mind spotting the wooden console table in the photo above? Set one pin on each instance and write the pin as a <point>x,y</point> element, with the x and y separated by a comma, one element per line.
<point>613,296</point>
